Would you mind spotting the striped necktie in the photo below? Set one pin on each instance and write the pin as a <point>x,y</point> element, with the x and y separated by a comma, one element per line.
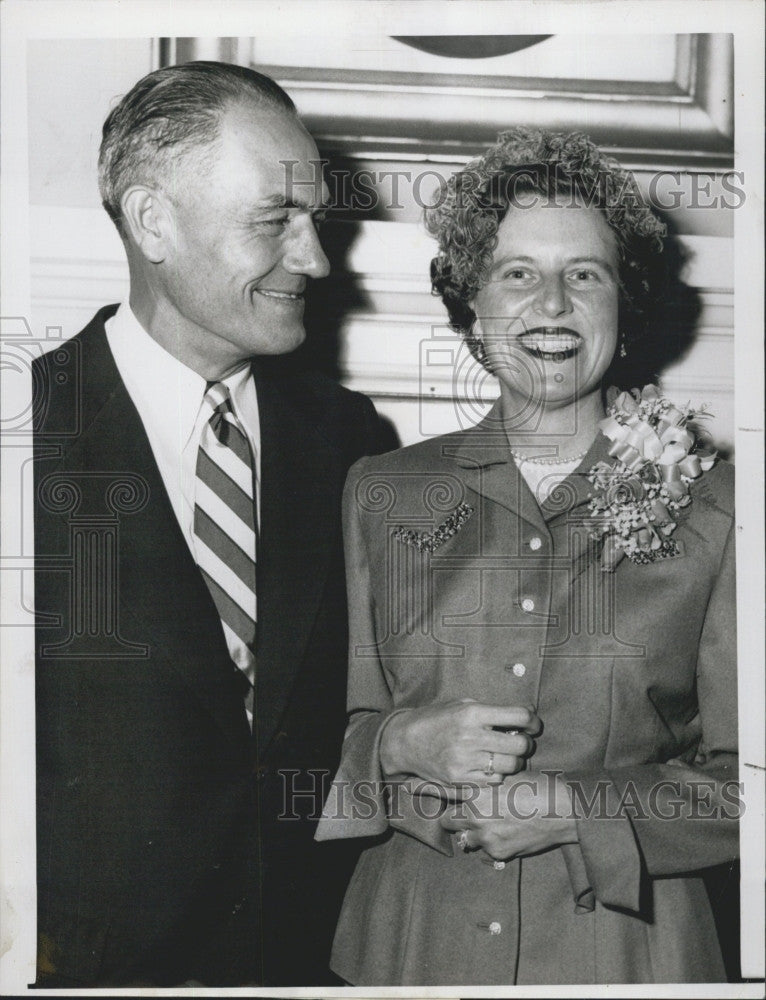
<point>224,530</point>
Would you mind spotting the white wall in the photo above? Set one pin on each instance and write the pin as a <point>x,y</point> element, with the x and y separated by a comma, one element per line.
<point>73,84</point>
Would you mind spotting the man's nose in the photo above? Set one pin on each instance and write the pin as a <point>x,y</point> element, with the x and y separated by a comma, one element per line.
<point>305,254</point>
<point>553,297</point>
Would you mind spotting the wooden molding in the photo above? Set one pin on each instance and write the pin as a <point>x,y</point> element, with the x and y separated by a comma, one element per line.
<point>686,123</point>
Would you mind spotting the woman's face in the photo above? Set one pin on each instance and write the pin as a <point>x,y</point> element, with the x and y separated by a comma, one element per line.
<point>548,313</point>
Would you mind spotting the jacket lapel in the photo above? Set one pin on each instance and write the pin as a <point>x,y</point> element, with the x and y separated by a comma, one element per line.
<point>484,456</point>
<point>163,600</point>
<point>487,468</point>
<point>577,487</point>
<point>566,506</point>
<point>301,483</point>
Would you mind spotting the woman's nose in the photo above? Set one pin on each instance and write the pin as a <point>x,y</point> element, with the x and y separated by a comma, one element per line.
<point>553,298</point>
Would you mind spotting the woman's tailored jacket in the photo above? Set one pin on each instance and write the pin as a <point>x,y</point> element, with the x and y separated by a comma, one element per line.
<point>461,586</point>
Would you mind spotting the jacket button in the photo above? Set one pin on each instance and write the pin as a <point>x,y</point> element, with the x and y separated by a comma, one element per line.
<point>493,928</point>
<point>528,605</point>
<point>517,669</point>
<point>535,543</point>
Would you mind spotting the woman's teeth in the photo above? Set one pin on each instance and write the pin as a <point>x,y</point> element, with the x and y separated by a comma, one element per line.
<point>553,344</point>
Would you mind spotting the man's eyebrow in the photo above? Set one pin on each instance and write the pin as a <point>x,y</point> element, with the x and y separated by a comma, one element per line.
<point>279,201</point>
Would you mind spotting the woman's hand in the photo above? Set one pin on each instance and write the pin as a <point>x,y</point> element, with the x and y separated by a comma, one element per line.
<point>460,743</point>
<point>524,815</point>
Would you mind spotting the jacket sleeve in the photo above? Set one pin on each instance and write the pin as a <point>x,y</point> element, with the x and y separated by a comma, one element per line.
<point>676,817</point>
<point>361,802</point>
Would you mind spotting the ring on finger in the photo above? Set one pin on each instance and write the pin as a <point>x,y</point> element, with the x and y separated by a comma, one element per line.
<point>490,768</point>
<point>462,840</point>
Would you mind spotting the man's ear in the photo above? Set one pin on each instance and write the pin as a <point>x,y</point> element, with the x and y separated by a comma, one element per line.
<point>147,219</point>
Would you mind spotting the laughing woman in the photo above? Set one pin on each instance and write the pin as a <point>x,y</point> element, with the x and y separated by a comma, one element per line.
<point>542,690</point>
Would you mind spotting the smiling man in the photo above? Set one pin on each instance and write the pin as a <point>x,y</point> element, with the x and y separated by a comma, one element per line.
<point>191,657</point>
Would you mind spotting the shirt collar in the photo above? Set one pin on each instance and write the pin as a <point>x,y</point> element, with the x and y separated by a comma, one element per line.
<point>236,383</point>
<point>167,393</point>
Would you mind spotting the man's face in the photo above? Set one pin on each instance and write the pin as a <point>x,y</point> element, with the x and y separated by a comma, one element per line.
<point>245,242</point>
<point>549,310</point>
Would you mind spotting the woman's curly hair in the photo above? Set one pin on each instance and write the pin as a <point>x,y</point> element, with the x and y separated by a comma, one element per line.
<point>474,201</point>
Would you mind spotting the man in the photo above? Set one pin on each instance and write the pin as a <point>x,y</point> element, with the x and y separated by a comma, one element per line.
<point>190,588</point>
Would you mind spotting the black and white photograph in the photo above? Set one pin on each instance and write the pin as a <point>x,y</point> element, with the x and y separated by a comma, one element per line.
<point>382,498</point>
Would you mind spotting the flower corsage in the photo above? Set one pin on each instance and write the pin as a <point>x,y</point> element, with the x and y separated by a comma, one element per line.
<point>656,457</point>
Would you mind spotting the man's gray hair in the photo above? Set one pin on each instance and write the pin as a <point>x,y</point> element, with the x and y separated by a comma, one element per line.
<point>170,111</point>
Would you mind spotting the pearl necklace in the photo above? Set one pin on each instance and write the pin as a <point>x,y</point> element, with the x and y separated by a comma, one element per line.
<point>548,461</point>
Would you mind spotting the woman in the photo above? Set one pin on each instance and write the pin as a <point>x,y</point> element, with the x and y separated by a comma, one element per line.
<point>542,690</point>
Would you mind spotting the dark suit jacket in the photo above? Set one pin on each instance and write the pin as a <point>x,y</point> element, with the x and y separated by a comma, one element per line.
<point>162,856</point>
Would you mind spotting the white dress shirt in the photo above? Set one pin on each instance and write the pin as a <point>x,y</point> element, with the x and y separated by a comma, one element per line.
<point>170,401</point>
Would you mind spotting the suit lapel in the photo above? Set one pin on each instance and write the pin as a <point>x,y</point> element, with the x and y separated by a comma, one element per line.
<point>301,482</point>
<point>163,600</point>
